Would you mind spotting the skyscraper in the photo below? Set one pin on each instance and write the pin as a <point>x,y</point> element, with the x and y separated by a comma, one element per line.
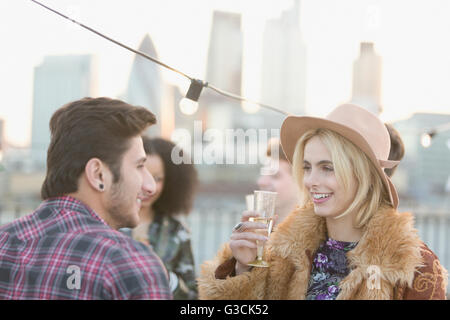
<point>170,97</point>
<point>57,81</point>
<point>367,79</point>
<point>284,63</point>
<point>145,86</point>
<point>223,70</point>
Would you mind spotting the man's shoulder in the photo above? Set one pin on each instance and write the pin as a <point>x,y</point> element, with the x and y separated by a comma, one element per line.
<point>114,240</point>
<point>134,266</point>
<point>121,248</point>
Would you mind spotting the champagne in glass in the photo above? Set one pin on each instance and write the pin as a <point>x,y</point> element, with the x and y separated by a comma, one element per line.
<point>264,205</point>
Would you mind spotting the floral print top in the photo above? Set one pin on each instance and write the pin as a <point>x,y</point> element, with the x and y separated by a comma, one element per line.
<point>329,268</point>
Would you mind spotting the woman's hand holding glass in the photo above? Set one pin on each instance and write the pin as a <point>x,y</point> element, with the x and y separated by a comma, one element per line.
<point>243,241</point>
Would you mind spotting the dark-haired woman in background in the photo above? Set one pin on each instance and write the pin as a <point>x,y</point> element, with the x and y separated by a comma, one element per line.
<point>159,224</point>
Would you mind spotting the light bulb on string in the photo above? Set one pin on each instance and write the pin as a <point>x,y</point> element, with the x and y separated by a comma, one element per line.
<point>249,107</point>
<point>425,139</point>
<point>189,105</point>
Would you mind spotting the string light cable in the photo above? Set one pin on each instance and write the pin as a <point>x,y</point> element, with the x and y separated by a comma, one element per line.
<point>188,104</point>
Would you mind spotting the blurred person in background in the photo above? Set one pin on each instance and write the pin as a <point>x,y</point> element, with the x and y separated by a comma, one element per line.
<point>280,181</point>
<point>69,248</point>
<point>160,226</point>
<point>397,148</point>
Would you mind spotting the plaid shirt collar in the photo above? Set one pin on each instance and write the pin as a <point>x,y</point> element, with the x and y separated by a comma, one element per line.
<point>71,204</point>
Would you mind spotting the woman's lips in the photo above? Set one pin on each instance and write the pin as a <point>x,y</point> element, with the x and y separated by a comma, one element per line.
<point>319,198</point>
<point>147,199</point>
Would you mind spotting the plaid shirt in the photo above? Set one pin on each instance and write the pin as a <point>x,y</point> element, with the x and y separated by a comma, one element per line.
<point>64,250</point>
<point>170,239</point>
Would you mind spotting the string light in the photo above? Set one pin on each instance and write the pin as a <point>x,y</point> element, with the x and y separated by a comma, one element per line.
<point>427,137</point>
<point>250,107</point>
<point>189,104</point>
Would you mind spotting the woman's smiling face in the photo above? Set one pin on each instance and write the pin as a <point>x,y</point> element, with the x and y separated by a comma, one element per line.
<point>329,197</point>
<point>155,166</point>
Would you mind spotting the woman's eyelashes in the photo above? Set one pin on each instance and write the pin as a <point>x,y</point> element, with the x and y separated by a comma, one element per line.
<point>324,168</point>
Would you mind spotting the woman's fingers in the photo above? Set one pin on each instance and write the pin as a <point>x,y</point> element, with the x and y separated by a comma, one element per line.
<point>249,225</point>
<point>243,243</point>
<point>248,214</point>
<point>245,236</point>
<point>248,236</point>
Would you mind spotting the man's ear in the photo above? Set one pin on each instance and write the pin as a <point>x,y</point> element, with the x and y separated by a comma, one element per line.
<point>95,174</point>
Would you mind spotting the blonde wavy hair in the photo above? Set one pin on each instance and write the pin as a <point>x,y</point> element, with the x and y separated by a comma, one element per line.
<point>348,161</point>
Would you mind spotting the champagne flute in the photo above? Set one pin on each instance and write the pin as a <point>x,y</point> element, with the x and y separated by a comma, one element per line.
<point>264,205</point>
<point>249,200</point>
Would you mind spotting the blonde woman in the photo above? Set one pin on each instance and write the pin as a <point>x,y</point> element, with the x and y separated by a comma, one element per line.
<point>346,240</point>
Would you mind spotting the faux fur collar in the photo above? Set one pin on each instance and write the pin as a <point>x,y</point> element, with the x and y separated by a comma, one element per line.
<point>389,243</point>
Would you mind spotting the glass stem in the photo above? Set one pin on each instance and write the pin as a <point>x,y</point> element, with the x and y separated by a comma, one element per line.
<point>260,250</point>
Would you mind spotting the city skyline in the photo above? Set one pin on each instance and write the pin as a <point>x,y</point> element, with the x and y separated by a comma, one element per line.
<point>57,80</point>
<point>416,67</point>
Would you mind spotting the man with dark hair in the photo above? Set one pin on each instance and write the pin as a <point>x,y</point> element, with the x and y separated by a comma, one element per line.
<point>69,248</point>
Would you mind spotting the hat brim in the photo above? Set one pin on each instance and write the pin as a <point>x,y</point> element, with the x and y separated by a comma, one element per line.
<point>294,127</point>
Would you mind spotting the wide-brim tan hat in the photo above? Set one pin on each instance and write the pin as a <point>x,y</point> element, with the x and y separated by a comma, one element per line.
<point>361,127</point>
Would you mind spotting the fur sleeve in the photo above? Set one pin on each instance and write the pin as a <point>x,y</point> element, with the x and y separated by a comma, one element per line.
<point>246,286</point>
<point>430,281</point>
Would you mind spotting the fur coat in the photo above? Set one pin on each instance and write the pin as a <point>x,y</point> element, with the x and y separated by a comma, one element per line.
<point>389,262</point>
